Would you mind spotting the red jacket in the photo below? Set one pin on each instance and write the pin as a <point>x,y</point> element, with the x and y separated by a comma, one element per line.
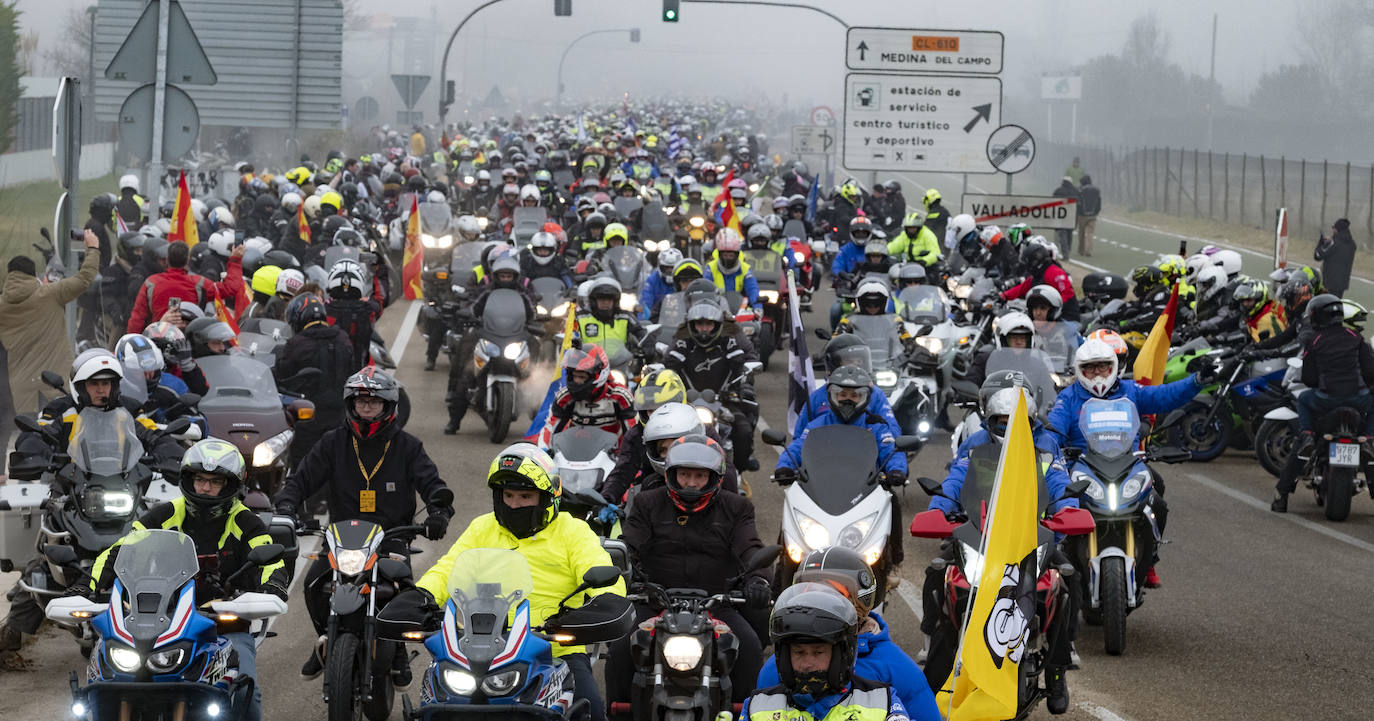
<point>1054,276</point>
<point>613,410</point>
<point>151,303</point>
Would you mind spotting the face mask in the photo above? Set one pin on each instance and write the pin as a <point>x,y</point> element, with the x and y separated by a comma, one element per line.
<point>521,522</point>
<point>814,684</point>
<point>998,428</point>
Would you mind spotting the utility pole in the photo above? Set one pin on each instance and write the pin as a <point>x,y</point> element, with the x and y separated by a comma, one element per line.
<point>1211,85</point>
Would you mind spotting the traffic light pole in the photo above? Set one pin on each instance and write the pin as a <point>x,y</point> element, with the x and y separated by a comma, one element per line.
<point>558,98</point>
<point>822,11</point>
<point>443,64</point>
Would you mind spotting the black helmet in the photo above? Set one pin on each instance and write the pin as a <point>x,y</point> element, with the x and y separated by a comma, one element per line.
<point>814,613</point>
<point>305,310</point>
<point>332,225</point>
<point>1147,279</point>
<point>217,457</point>
<point>131,246</point>
<point>972,250</point>
<point>604,288</point>
<point>694,450</point>
<point>1036,255</point>
<point>710,310</point>
<point>280,259</point>
<point>1326,311</point>
<point>847,349</point>
<point>851,378</point>
<point>203,330</point>
<point>842,566</point>
<point>102,204</point>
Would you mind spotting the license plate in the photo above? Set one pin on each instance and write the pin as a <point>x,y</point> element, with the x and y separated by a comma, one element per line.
<point>1344,454</point>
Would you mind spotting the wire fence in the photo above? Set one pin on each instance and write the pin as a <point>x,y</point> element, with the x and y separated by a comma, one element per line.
<point>1230,188</point>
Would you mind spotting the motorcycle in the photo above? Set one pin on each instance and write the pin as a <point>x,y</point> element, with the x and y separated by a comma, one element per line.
<point>1225,414</point>
<point>1032,363</point>
<point>1338,456</point>
<point>502,358</point>
<point>489,659</point>
<point>683,656</point>
<point>585,455</point>
<point>1278,432</point>
<point>920,396</point>
<point>158,656</point>
<point>776,322</point>
<point>1119,492</point>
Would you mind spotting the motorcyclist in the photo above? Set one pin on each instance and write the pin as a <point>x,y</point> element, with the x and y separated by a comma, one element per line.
<point>916,243</point>
<point>176,351</point>
<point>1037,259</point>
<point>153,298</point>
<point>937,216</point>
<point>315,343</point>
<point>728,271</point>
<point>1295,294</point>
<point>353,306</point>
<point>877,656</point>
<point>873,298</point>
<point>591,238</point>
<point>815,641</point>
<point>843,349</point>
<point>848,261</point>
<point>998,397</point>
<point>559,548</point>
<point>688,534</point>
<point>371,470</point>
<point>1338,370</point>
<point>844,208</point>
<point>796,210</point>
<point>591,396</point>
<point>505,275</point>
<point>1264,318</point>
<point>211,514</point>
<point>1013,329</point>
<point>209,336</point>
<point>542,260</point>
<point>130,205</point>
<point>709,352</point>
<point>138,355</point>
<point>116,296</point>
<point>659,284</point>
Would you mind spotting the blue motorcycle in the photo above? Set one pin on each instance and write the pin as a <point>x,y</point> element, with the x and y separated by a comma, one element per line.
<point>489,659</point>
<point>159,656</point>
<point>1119,495</point>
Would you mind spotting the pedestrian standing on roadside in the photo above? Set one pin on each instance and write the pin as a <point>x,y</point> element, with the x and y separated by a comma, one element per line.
<point>1064,236</point>
<point>1075,172</point>
<point>1089,205</point>
<point>1337,254</point>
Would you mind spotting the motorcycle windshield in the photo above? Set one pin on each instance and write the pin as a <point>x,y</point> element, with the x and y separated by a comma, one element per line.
<point>794,229</point>
<point>976,495</point>
<point>151,566</point>
<point>1031,362</point>
<point>625,206</point>
<point>278,330</point>
<point>105,443</point>
<point>435,218</point>
<point>1059,340</point>
<point>466,257</point>
<point>626,265</point>
<point>1110,426</point>
<point>922,305</point>
<point>880,333</point>
<point>258,346</point>
<point>766,267</point>
<point>582,445</point>
<point>238,382</point>
<point>549,290</point>
<point>133,386</point>
<point>653,222</point>
<point>504,316</point>
<point>835,479</point>
<point>672,312</point>
<point>486,585</point>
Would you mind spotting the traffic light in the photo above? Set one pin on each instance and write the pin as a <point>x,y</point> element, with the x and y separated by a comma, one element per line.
<point>670,10</point>
<point>562,8</point>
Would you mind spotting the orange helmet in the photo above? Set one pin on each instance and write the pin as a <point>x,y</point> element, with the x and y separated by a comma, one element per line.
<point>1112,339</point>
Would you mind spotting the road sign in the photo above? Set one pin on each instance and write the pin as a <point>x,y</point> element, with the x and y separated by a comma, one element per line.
<point>934,123</point>
<point>926,51</point>
<point>1011,149</point>
<point>368,109</point>
<point>1041,212</point>
<point>822,115</point>
<point>136,59</point>
<point>66,133</point>
<point>410,87</point>
<point>813,140</point>
<point>1061,87</point>
<point>180,123</point>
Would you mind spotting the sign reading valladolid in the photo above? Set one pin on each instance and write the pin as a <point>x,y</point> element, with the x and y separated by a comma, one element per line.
<point>934,123</point>
<point>1038,211</point>
<point>924,51</point>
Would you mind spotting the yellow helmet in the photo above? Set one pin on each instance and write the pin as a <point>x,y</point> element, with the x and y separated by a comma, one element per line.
<point>931,197</point>
<point>265,279</point>
<point>617,230</point>
<point>298,175</point>
<point>333,200</point>
<point>523,466</point>
<point>657,388</point>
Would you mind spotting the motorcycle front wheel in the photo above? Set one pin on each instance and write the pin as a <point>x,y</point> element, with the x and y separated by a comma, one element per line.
<point>502,412</point>
<point>1274,442</point>
<point>1206,439</point>
<point>1113,595</point>
<point>343,672</point>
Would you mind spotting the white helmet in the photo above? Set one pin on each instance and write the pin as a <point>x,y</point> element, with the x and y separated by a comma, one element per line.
<point>686,182</point>
<point>468,228</point>
<point>312,206</point>
<point>129,181</point>
<point>164,225</point>
<point>1095,351</point>
<point>93,363</point>
<point>961,225</point>
<point>291,202</point>
<point>1013,322</point>
<point>290,281</point>
<point>1227,260</point>
<point>1048,294</point>
<point>1210,281</point>
<point>198,209</point>
<point>259,244</point>
<point>1195,263</point>
<point>668,421</point>
<point>436,196</point>
<point>347,276</point>
<point>223,217</point>
<point>222,242</point>
<point>543,240</point>
<point>529,192</point>
<point>669,258</point>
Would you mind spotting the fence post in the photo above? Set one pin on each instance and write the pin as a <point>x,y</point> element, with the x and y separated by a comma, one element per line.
<point>1321,222</point>
<point>1226,189</point>
<point>1178,192</point>
<point>1165,198</point>
<point>1264,191</point>
<point>1369,219</point>
<point>1346,214</point>
<point>1195,183</point>
<point>1211,190</point>
<point>1240,212</point>
<point>1302,192</point>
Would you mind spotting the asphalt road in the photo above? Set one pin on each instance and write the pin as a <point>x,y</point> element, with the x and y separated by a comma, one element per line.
<point>1261,616</point>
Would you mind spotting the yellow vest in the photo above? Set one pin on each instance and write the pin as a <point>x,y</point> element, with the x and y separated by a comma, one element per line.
<point>718,276</point>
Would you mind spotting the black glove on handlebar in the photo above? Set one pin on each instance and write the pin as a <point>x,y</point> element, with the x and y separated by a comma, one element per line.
<point>894,479</point>
<point>757,593</point>
<point>785,476</point>
<point>436,525</point>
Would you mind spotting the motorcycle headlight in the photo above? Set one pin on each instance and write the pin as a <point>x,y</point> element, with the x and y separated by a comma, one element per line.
<point>382,231</point>
<point>814,535</point>
<point>486,350</point>
<point>483,222</point>
<point>885,378</point>
<point>125,659</point>
<point>697,222</point>
<point>973,564</point>
<point>428,240</point>
<point>934,345</point>
<point>513,350</point>
<point>855,533</point>
<point>628,301</point>
<point>798,256</point>
<point>1095,490</point>
<point>1060,381</point>
<point>503,683</point>
<point>768,296</point>
<point>951,283</point>
<point>707,417</point>
<point>682,653</point>
<point>100,502</point>
<point>268,451</point>
<point>444,241</point>
<point>167,660</point>
<point>351,561</point>
<point>1134,485</point>
<point>619,377</point>
<point>458,682</point>
<point>963,291</point>
<point>560,311</point>
<point>468,179</point>
<point>753,187</point>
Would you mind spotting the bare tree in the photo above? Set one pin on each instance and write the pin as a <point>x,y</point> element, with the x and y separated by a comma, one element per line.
<point>70,55</point>
<point>1335,37</point>
<point>1147,45</point>
<point>27,53</point>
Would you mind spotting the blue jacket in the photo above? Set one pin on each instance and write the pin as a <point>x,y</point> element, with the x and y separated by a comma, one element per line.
<point>880,659</point>
<point>820,402</point>
<point>741,281</point>
<point>849,258</point>
<point>1056,476</point>
<point>885,432</point>
<point>1063,418</point>
<point>656,288</point>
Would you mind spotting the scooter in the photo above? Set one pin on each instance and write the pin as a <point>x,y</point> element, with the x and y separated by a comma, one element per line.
<point>585,455</point>
<point>502,359</point>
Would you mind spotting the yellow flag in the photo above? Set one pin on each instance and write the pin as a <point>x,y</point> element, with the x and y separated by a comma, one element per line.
<point>569,330</point>
<point>984,684</point>
<point>1154,354</point>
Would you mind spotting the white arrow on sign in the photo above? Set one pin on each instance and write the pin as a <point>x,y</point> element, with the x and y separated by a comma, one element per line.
<point>931,123</point>
<point>930,51</point>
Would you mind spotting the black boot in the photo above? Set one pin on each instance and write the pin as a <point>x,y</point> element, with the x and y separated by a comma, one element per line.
<point>452,427</point>
<point>400,668</point>
<point>1056,690</point>
<point>314,666</point>
<point>1280,503</point>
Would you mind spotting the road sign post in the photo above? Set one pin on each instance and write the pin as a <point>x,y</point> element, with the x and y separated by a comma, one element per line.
<point>909,50</point>
<point>918,122</point>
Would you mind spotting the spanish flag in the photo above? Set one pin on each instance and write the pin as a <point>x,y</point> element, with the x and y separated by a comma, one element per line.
<point>413,260</point>
<point>183,220</point>
<point>222,313</point>
<point>1149,364</point>
<point>302,225</point>
<point>725,205</point>
<point>984,683</point>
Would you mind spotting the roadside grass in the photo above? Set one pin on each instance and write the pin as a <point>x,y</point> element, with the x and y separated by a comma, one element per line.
<point>26,208</point>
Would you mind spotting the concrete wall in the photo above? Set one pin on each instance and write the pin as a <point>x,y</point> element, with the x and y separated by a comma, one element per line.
<point>97,159</point>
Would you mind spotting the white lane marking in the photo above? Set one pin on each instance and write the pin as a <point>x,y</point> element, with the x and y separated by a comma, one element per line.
<point>310,545</point>
<point>1093,268</point>
<point>911,600</point>
<point>1256,503</point>
<point>1102,713</point>
<point>398,346</point>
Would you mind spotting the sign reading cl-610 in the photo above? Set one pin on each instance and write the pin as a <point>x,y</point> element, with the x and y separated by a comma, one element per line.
<point>924,51</point>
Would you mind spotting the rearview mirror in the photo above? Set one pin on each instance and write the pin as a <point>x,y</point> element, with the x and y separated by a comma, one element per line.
<point>762,558</point>
<point>28,423</point>
<point>1077,488</point>
<point>266,554</point>
<point>752,367</point>
<point>52,379</point>
<point>178,426</point>
<point>774,437</point>
<point>60,554</point>
<point>600,576</point>
<point>929,485</point>
<point>189,399</point>
<point>908,443</point>
<point>820,333</point>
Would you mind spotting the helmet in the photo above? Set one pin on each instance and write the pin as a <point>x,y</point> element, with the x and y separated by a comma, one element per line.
<point>585,204</point>
<point>748,221</point>
<point>972,250</point>
<point>198,208</point>
<point>961,226</point>
<point>95,364</point>
<point>312,206</point>
<point>436,196</point>
<point>1017,232</point>
<point>222,242</point>
<point>1036,254</point>
<point>265,279</point>
<point>728,241</point>
<point>1114,341</point>
<point>1013,322</point>
<point>102,203</point>
<point>591,360</point>
<point>860,224</point>
<point>299,175</point>
<point>693,451</point>
<point>616,230</point>
<point>524,467</point>
<point>331,199</point>
<point>852,379</point>
<point>669,421</point>
<point>1297,290</point>
<point>998,396</point>
<point>217,457</point>
<point>847,349</point>
<point>129,182</point>
<point>842,568</point>
<point>875,247</point>
<point>529,191</point>
<point>668,258</point>
<point>708,310</point>
<point>990,236</point>
<point>603,287</point>
<point>1228,260</point>
<point>163,335</point>
<point>371,381</point>
<point>1045,294</point>
<point>347,280</point>
<point>1194,265</point>
<point>595,220</point>
<point>1250,296</point>
<point>469,229</point>
<point>914,219</point>
<point>796,202</point>
<point>1210,281</point>
<point>1147,279</point>
<point>774,221</point>
<point>290,202</point>
<point>931,197</point>
<point>850,192</point>
<point>1173,266</point>
<point>542,241</point>
<point>331,226</point>
<point>656,389</point>
<point>685,268</point>
<point>305,310</point>
<point>1325,310</point>
<point>131,246</point>
<point>1096,351</point>
<point>290,281</point>
<point>811,613</point>
<point>872,294</point>
<point>505,263</point>
<point>135,351</point>
<point>762,233</point>
<point>205,330</point>
<point>908,274</point>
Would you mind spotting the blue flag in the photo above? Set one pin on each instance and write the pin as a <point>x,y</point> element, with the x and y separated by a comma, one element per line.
<point>801,377</point>
<point>813,198</point>
<point>542,416</point>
